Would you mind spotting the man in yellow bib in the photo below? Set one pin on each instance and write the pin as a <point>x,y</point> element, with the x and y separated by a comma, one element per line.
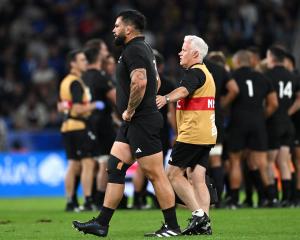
<point>197,133</point>
<point>75,103</point>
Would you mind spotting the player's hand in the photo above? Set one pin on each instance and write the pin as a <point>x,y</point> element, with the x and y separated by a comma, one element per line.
<point>126,116</point>
<point>63,106</point>
<point>160,101</point>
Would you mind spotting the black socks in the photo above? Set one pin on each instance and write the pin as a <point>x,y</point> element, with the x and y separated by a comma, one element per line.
<point>170,217</point>
<point>105,216</point>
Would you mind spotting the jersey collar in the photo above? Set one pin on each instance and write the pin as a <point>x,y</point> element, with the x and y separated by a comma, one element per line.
<point>195,65</point>
<point>139,38</point>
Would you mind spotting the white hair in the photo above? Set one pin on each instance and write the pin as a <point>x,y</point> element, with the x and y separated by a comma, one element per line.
<point>197,44</point>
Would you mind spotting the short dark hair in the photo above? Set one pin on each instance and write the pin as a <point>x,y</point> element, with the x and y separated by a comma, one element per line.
<point>278,53</point>
<point>135,18</point>
<point>291,57</point>
<point>71,56</point>
<point>217,57</point>
<point>94,43</point>
<point>92,54</point>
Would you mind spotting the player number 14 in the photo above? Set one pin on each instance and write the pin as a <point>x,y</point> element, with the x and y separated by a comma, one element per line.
<point>285,90</point>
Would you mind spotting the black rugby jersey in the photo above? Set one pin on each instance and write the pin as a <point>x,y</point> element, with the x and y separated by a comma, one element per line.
<point>296,115</point>
<point>136,54</point>
<point>221,78</point>
<point>285,84</point>
<point>253,89</point>
<point>99,85</point>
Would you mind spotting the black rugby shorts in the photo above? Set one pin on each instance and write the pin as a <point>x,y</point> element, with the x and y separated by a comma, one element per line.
<point>78,144</point>
<point>186,155</point>
<point>142,134</point>
<point>247,133</point>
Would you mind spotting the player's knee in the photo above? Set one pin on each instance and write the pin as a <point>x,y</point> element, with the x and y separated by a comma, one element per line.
<point>173,173</point>
<point>151,173</point>
<point>116,170</point>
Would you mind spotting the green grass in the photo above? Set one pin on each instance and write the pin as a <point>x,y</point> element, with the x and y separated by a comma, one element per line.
<point>43,218</point>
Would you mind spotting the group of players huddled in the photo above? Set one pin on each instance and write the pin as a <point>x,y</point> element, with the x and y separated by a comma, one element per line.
<point>256,113</point>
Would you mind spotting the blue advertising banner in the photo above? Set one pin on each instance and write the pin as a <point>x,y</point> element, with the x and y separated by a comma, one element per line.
<point>32,174</point>
<point>40,174</point>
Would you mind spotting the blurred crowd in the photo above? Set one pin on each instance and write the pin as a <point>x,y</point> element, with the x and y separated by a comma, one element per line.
<point>36,34</point>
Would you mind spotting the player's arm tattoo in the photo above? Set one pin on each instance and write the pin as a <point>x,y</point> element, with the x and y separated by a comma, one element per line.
<point>137,88</point>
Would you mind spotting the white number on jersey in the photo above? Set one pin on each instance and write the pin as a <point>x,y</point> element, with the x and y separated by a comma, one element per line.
<point>285,90</point>
<point>250,87</point>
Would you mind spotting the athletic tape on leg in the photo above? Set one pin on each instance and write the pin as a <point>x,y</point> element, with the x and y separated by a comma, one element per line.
<point>116,170</point>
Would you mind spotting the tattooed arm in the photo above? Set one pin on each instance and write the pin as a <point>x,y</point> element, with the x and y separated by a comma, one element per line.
<point>137,91</point>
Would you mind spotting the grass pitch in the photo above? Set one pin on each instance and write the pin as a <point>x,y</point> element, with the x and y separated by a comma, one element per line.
<point>44,218</point>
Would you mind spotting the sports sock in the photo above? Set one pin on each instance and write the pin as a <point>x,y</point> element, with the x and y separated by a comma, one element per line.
<point>88,199</point>
<point>276,188</point>
<point>248,180</point>
<point>137,199</point>
<point>100,198</point>
<point>105,216</point>
<point>235,195</point>
<point>256,177</point>
<point>286,190</point>
<point>74,198</point>
<point>170,217</point>
<point>217,174</point>
<point>271,192</point>
<point>298,194</point>
<point>293,196</point>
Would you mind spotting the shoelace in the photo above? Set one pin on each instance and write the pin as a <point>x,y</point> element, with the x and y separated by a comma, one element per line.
<point>92,220</point>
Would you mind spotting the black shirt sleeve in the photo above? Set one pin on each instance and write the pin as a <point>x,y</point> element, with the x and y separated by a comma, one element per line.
<point>76,91</point>
<point>107,84</point>
<point>134,58</point>
<point>226,78</point>
<point>193,79</point>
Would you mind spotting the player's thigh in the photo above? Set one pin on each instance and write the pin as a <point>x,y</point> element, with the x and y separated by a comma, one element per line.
<point>122,151</point>
<point>152,165</point>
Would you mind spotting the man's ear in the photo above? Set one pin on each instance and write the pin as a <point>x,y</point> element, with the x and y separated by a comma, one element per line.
<point>72,64</point>
<point>128,29</point>
<point>195,54</point>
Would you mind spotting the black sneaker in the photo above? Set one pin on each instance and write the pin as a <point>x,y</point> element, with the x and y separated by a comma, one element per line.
<point>198,226</point>
<point>285,204</point>
<point>91,227</point>
<point>164,231</point>
<point>274,203</point>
